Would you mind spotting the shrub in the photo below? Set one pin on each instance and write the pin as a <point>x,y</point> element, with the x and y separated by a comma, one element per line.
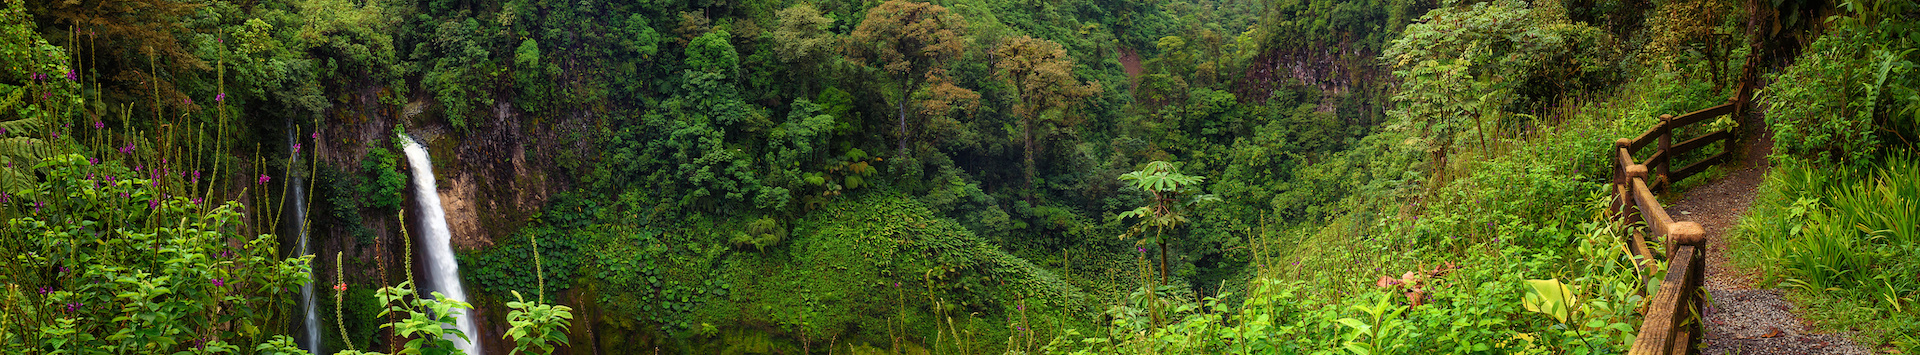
<point>382,168</point>
<point>121,267</point>
<point>1846,95</point>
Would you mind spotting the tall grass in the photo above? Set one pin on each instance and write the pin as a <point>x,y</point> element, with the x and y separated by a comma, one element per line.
<point>1849,237</point>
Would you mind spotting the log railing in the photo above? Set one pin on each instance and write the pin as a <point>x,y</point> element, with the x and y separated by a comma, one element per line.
<point>1671,325</point>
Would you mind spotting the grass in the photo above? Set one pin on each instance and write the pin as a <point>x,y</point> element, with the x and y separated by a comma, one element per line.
<point>1843,241</point>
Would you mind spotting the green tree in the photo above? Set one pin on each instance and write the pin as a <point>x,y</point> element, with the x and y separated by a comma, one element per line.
<point>1041,74</point>
<point>1173,195</point>
<point>712,53</point>
<point>802,41</point>
<point>802,33</point>
<point>911,42</point>
<point>1466,65</point>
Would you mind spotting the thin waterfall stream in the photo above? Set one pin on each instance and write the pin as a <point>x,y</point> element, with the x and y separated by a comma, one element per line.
<point>443,273</point>
<point>299,198</point>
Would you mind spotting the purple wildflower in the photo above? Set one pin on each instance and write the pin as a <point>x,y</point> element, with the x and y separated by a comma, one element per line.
<point>264,179</point>
<point>296,148</point>
<point>316,134</point>
<point>154,203</point>
<point>219,283</point>
<point>221,97</point>
<point>45,290</point>
<point>72,76</point>
<point>186,101</point>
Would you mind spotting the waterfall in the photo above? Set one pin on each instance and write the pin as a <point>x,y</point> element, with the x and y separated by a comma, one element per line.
<point>299,200</point>
<point>443,273</point>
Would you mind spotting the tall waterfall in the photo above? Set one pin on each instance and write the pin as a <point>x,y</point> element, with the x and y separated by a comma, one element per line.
<point>299,197</point>
<point>443,273</point>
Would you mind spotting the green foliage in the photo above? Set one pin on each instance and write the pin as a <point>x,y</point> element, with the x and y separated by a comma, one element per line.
<point>1851,93</point>
<point>760,234</point>
<point>1846,239</point>
<point>457,60</point>
<point>426,320</point>
<point>1550,297</point>
<point>1166,207</point>
<point>34,96</point>
<point>639,38</point>
<point>121,268</point>
<point>505,267</point>
<point>802,33</point>
<point>1469,66</point>
<point>1481,307</point>
<point>712,53</point>
<point>342,198</point>
<point>384,180</point>
<point>536,327</point>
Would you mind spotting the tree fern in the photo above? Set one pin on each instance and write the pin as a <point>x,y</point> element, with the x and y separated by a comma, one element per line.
<point>18,155</point>
<point>22,125</point>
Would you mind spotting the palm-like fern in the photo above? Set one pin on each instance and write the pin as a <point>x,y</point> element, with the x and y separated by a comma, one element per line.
<point>19,149</point>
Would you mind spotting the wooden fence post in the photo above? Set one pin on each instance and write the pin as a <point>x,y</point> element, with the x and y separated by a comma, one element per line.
<point>1620,183</point>
<point>1666,156</point>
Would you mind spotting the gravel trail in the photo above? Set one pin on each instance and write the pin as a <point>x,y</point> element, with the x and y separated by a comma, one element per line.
<point>1740,319</point>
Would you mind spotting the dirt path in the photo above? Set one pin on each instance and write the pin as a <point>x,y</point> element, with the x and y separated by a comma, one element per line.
<point>1743,320</point>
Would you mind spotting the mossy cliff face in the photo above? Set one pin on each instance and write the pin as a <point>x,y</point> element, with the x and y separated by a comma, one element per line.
<point>489,184</point>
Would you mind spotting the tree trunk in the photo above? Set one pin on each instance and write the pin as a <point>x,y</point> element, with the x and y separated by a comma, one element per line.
<point>1026,133</point>
<point>1161,234</point>
<point>905,89</point>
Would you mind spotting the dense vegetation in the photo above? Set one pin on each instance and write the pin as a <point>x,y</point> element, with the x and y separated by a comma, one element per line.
<point>951,176</point>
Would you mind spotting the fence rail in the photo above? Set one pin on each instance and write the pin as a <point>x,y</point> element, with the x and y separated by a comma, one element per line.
<point>1671,325</point>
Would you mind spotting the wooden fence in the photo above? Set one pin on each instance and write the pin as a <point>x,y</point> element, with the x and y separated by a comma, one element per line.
<point>1672,323</point>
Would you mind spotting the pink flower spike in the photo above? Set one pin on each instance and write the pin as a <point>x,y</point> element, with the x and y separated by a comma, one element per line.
<point>99,125</point>
<point>264,179</point>
<point>296,148</point>
<point>186,101</point>
<point>72,76</point>
<point>222,97</point>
